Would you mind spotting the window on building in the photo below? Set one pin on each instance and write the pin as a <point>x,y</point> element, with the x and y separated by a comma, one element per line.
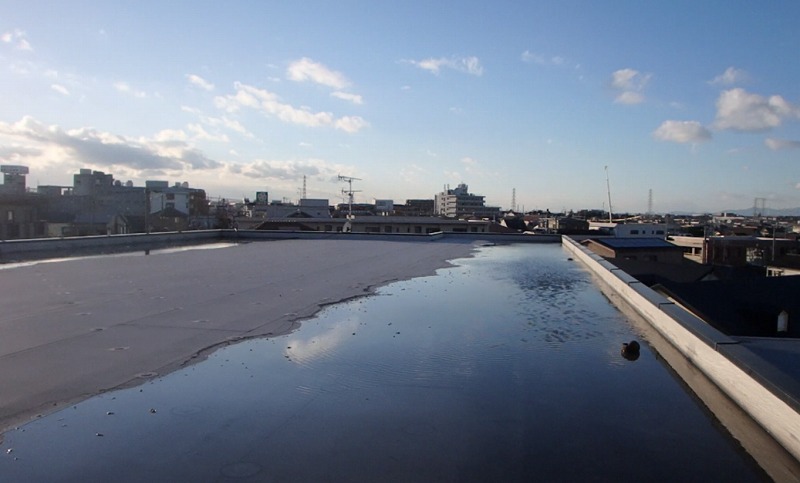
<point>10,215</point>
<point>634,232</point>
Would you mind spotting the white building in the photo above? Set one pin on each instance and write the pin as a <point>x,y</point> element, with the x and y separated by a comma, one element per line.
<point>650,230</point>
<point>459,203</point>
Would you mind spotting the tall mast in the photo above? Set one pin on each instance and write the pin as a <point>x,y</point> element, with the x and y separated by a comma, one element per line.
<point>608,187</point>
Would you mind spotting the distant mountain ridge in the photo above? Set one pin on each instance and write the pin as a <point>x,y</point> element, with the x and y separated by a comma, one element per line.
<point>767,212</point>
<point>746,212</point>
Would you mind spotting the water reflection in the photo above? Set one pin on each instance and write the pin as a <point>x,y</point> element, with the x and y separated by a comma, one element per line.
<point>504,368</point>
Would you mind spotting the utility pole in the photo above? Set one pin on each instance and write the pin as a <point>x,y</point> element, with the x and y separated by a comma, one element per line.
<point>608,187</point>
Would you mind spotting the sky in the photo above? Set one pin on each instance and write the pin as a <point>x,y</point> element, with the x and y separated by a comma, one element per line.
<point>696,104</point>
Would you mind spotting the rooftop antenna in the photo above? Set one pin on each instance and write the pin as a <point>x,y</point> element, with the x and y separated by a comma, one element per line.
<point>349,192</point>
<point>608,187</point>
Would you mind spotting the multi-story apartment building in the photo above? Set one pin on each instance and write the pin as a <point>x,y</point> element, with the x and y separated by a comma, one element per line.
<point>460,203</point>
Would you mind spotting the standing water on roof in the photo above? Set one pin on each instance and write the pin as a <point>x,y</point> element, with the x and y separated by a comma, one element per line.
<point>506,367</point>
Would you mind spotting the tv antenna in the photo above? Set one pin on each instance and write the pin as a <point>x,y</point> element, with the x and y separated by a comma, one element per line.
<point>349,192</point>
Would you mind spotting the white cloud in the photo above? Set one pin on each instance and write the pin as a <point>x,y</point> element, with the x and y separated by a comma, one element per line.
<point>629,97</point>
<point>354,98</point>
<point>60,89</point>
<point>467,65</point>
<point>630,83</point>
<point>541,59</point>
<point>269,103</point>
<point>18,39</point>
<point>350,124</point>
<point>166,135</point>
<point>624,79</point>
<point>731,76</point>
<point>682,132</point>
<point>413,173</point>
<point>125,88</point>
<point>60,153</point>
<point>741,111</point>
<point>200,82</point>
<point>781,144</point>
<point>42,146</point>
<point>199,133</point>
<point>223,121</point>
<point>292,170</point>
<point>306,69</point>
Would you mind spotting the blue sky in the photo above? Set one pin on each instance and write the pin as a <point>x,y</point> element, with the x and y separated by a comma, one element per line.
<point>697,101</point>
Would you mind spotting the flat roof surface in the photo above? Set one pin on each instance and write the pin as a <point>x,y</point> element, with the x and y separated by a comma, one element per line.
<point>79,327</point>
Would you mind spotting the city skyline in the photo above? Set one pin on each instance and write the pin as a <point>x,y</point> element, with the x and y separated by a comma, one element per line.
<point>696,102</point>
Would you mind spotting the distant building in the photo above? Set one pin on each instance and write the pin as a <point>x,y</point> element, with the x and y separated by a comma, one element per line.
<point>20,217</point>
<point>97,204</point>
<point>415,208</point>
<point>736,251</point>
<point>379,224</point>
<point>306,208</point>
<point>643,249</point>
<point>20,211</point>
<point>567,225</point>
<point>13,179</point>
<point>460,203</point>
<point>179,197</point>
<point>640,230</point>
<point>384,207</point>
<point>513,221</point>
<point>357,209</point>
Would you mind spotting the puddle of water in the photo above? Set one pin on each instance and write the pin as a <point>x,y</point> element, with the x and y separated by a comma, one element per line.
<point>506,367</point>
